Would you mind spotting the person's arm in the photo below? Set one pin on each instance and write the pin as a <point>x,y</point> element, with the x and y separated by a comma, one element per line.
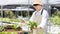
<point>44,20</point>
<point>26,22</point>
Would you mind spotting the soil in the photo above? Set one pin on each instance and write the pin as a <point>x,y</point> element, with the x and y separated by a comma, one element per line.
<point>12,30</point>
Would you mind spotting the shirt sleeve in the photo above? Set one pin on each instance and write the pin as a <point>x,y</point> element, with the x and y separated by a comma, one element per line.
<point>45,16</point>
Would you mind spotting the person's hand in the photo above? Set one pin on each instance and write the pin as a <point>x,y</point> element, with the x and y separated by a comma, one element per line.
<point>22,20</point>
<point>39,27</point>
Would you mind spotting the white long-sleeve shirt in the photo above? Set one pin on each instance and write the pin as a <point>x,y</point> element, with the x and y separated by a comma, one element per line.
<point>44,19</point>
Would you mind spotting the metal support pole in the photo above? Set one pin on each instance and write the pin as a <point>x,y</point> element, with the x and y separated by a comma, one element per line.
<point>28,13</point>
<point>21,10</point>
<point>28,8</point>
<point>1,15</point>
<point>48,9</point>
<point>1,10</point>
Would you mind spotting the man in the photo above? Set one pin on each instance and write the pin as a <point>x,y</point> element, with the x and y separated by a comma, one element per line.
<point>40,15</point>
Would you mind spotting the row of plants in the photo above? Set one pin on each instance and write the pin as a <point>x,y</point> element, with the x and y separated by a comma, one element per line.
<point>17,27</point>
<point>55,20</point>
<point>52,33</point>
<point>14,27</point>
<point>8,33</point>
<point>16,33</point>
<point>9,20</point>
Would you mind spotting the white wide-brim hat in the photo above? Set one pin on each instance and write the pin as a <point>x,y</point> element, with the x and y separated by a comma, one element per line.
<point>38,2</point>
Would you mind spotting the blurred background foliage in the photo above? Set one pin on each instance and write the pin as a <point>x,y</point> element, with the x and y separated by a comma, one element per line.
<point>55,18</point>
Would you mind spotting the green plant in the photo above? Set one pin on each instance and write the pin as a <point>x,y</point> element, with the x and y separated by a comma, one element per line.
<point>1,18</point>
<point>9,20</point>
<point>6,20</point>
<point>55,20</point>
<point>2,32</point>
<point>32,24</point>
<point>14,32</point>
<point>59,33</point>
<point>9,13</point>
<point>8,32</point>
<point>15,26</point>
<point>14,20</point>
<point>57,13</point>
<point>2,28</point>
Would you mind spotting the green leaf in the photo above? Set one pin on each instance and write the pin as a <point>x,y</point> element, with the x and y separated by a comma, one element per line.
<point>8,32</point>
<point>33,24</point>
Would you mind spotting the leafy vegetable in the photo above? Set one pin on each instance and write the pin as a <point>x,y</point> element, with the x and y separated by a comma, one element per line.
<point>15,26</point>
<point>9,20</point>
<point>55,20</point>
<point>2,28</point>
<point>8,32</point>
<point>32,24</point>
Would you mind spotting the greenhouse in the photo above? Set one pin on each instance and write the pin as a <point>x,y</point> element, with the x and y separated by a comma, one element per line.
<point>13,14</point>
